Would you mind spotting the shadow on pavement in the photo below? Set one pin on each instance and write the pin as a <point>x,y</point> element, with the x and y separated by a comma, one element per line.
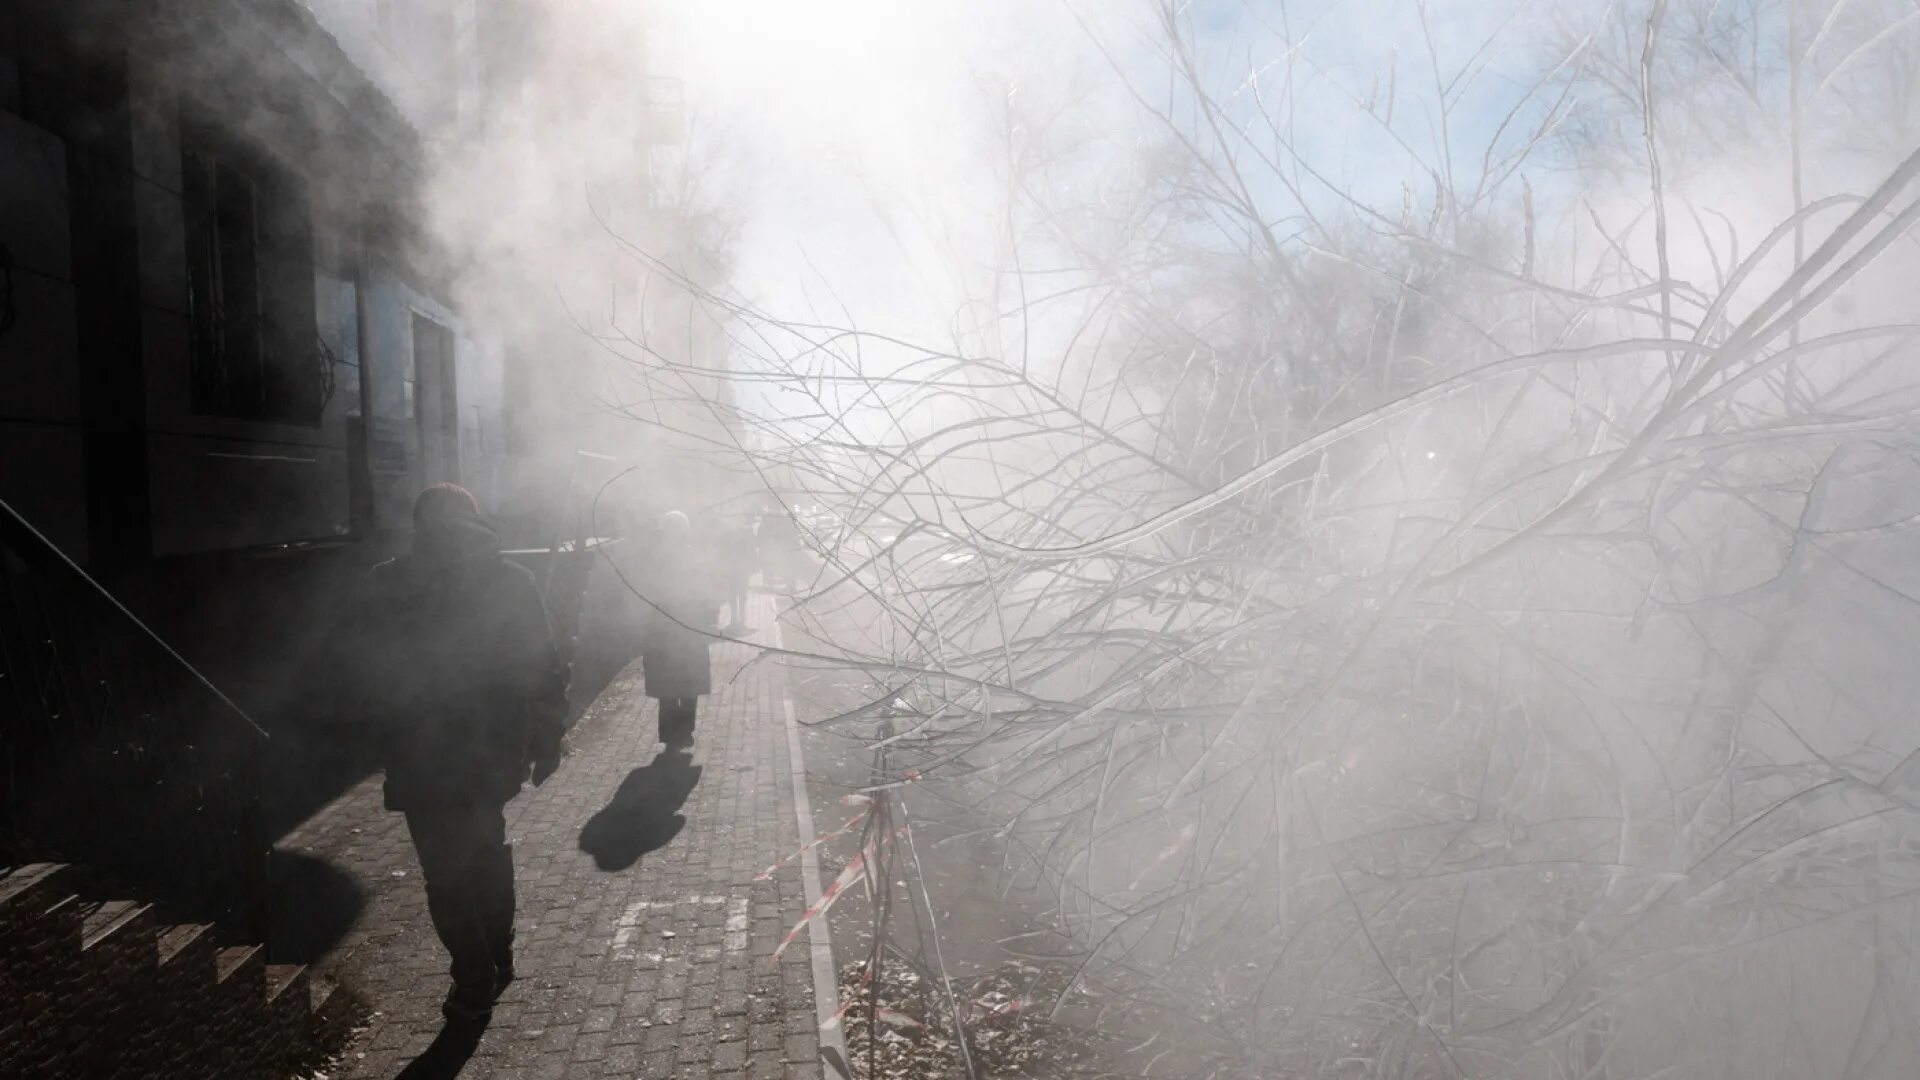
<point>313,904</point>
<point>644,814</point>
<point>448,1053</point>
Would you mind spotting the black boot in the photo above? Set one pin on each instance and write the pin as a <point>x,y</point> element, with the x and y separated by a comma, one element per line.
<point>676,721</point>
<point>469,1003</point>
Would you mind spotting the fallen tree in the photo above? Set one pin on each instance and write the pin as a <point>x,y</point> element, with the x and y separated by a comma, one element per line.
<point>1435,643</point>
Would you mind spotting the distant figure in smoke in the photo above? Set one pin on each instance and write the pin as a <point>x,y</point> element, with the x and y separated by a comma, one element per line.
<point>450,651</point>
<point>680,611</point>
<point>779,542</point>
<point>739,554</point>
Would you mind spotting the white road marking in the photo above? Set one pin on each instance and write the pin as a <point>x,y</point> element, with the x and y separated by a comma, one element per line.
<point>627,926</point>
<point>826,983</point>
<point>738,920</point>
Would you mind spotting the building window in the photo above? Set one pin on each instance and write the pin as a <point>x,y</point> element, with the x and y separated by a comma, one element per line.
<point>436,400</point>
<point>223,280</point>
<point>256,346</point>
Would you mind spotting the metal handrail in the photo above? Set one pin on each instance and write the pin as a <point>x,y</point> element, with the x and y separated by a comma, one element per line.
<point>118,754</point>
<point>14,529</point>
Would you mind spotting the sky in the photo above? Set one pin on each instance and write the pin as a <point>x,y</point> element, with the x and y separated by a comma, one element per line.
<point>867,137</point>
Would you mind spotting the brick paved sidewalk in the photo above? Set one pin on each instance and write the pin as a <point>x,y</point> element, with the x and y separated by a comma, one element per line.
<point>658,965</point>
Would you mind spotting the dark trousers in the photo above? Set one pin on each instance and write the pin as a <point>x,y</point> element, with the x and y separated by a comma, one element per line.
<point>676,720</point>
<point>467,865</point>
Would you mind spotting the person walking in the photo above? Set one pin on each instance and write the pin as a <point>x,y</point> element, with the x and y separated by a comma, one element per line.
<point>739,554</point>
<point>680,595</point>
<point>779,542</point>
<point>449,651</point>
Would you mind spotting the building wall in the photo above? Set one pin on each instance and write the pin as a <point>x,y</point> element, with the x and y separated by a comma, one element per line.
<point>216,481</point>
<point>97,387</point>
<point>413,50</point>
<point>40,417</point>
<point>402,455</point>
<point>422,55</point>
<point>64,423</point>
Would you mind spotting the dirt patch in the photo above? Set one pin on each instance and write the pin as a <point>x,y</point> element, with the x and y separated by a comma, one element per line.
<point>1003,1013</point>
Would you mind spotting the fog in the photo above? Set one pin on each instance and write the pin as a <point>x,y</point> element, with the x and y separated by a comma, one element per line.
<point>1397,515</point>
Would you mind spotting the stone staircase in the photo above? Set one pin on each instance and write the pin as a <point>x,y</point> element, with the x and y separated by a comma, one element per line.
<point>105,988</point>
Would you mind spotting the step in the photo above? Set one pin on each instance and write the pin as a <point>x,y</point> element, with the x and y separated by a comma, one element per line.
<point>237,1023</point>
<point>112,922</point>
<point>118,971</point>
<point>43,982</point>
<point>335,1011</point>
<point>31,883</point>
<point>286,1040</point>
<point>63,918</point>
<point>321,994</point>
<point>39,918</point>
<point>186,943</point>
<point>186,954</point>
<point>284,977</point>
<point>92,987</point>
<point>37,938</point>
<point>238,963</point>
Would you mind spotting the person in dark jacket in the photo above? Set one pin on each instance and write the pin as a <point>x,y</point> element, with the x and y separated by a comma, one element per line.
<point>777,539</point>
<point>738,553</point>
<point>453,659</point>
<point>680,589</point>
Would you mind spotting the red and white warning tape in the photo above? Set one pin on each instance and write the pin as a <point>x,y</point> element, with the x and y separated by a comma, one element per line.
<point>810,845</point>
<point>833,893</point>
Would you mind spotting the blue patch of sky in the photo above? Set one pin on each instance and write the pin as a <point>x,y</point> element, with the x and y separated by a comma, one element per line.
<point>1372,99</point>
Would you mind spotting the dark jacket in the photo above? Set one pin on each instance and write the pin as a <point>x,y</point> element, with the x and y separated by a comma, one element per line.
<point>681,599</point>
<point>739,554</point>
<point>449,655</point>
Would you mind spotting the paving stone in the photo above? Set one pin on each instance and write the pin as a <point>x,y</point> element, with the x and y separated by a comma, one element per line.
<point>800,1049</point>
<point>621,1061</point>
<point>729,1056</point>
